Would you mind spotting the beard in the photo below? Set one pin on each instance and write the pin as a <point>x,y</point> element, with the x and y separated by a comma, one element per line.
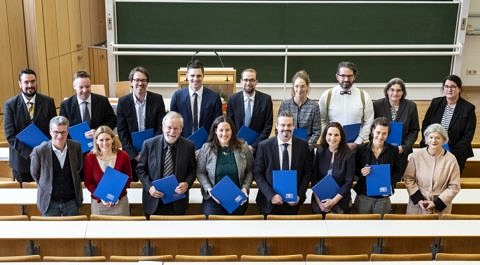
<point>29,95</point>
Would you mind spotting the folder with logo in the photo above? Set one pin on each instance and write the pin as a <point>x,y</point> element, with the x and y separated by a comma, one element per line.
<point>301,133</point>
<point>247,134</point>
<point>111,185</point>
<point>379,180</point>
<point>32,136</point>
<point>285,184</point>
<point>326,188</point>
<point>395,137</point>
<point>229,195</point>
<point>351,132</point>
<point>77,133</point>
<point>139,137</point>
<point>167,185</point>
<point>198,138</point>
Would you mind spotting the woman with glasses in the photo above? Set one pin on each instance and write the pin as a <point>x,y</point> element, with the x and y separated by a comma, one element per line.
<point>457,116</point>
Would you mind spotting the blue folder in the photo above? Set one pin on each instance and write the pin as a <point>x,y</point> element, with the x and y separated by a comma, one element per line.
<point>229,195</point>
<point>111,185</point>
<point>247,134</point>
<point>77,133</point>
<point>167,185</point>
<point>395,137</point>
<point>301,133</point>
<point>351,132</point>
<point>32,136</point>
<point>139,137</point>
<point>285,184</point>
<point>198,138</point>
<point>326,188</point>
<point>379,180</point>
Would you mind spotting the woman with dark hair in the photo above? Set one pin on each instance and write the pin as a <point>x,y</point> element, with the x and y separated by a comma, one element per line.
<point>395,107</point>
<point>224,155</point>
<point>376,152</point>
<point>333,157</point>
<point>457,116</point>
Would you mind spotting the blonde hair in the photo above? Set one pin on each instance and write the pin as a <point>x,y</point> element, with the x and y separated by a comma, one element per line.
<point>302,74</point>
<point>116,145</point>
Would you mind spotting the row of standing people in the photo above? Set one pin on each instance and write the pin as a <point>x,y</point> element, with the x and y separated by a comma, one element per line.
<point>260,118</point>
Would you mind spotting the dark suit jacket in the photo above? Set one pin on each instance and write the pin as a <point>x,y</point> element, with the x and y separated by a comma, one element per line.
<point>150,168</point>
<point>42,171</point>
<point>210,108</point>
<point>101,111</point>
<point>16,118</point>
<point>461,129</point>
<point>127,119</point>
<point>267,160</point>
<point>262,114</point>
<point>407,114</point>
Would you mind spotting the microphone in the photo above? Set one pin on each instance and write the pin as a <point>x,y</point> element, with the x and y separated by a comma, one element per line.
<point>221,63</point>
<point>191,61</point>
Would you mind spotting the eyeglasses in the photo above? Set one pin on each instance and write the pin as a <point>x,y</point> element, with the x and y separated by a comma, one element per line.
<point>345,76</point>
<point>140,80</point>
<point>249,80</point>
<point>59,132</point>
<point>450,87</point>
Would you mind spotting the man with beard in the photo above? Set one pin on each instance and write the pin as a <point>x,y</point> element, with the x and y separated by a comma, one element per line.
<point>251,108</point>
<point>281,152</point>
<point>19,112</point>
<point>347,104</point>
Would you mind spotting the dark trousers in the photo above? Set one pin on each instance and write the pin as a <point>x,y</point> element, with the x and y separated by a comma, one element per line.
<point>210,206</point>
<point>22,176</point>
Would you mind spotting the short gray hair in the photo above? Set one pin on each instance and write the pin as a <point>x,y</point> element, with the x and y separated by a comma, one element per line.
<point>170,116</point>
<point>438,128</point>
<point>58,121</point>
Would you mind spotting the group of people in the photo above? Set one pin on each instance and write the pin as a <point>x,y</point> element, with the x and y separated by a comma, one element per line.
<point>431,175</point>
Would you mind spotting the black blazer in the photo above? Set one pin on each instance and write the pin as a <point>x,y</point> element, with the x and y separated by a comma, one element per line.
<point>101,111</point>
<point>267,160</point>
<point>210,108</point>
<point>16,118</point>
<point>461,129</point>
<point>150,168</point>
<point>262,114</point>
<point>407,114</point>
<point>127,119</point>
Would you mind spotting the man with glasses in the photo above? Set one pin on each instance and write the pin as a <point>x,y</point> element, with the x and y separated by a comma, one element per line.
<point>251,108</point>
<point>56,167</point>
<point>347,104</point>
<point>138,111</point>
<point>20,111</point>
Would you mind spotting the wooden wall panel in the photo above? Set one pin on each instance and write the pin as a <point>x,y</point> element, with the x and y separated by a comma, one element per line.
<point>51,33</point>
<point>5,70</point>
<point>75,24</point>
<point>63,27</point>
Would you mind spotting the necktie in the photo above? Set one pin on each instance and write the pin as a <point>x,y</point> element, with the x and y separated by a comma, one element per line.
<point>30,109</point>
<point>345,92</point>
<point>85,112</point>
<point>285,164</point>
<point>248,112</point>
<point>140,117</point>
<point>168,163</point>
<point>195,112</point>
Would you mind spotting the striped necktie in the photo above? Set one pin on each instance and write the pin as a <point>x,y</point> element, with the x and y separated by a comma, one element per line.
<point>31,109</point>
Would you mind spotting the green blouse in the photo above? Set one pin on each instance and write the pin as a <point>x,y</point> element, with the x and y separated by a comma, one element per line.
<point>226,165</point>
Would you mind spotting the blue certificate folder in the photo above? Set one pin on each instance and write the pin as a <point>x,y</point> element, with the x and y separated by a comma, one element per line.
<point>111,185</point>
<point>247,134</point>
<point>32,136</point>
<point>396,133</point>
<point>285,184</point>
<point>351,132</point>
<point>77,133</point>
<point>379,181</point>
<point>167,185</point>
<point>139,137</point>
<point>199,138</point>
<point>229,195</point>
<point>326,188</point>
<point>301,133</point>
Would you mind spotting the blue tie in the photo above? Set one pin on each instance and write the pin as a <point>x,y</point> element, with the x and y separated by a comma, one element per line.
<point>248,112</point>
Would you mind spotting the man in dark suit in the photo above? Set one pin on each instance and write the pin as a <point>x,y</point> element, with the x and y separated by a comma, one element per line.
<point>165,155</point>
<point>282,152</point>
<point>19,111</point>
<point>87,106</point>
<point>207,102</point>
<point>56,167</point>
<point>138,111</point>
<point>258,104</point>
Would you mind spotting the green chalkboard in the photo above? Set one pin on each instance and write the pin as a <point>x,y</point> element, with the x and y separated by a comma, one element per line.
<point>330,23</point>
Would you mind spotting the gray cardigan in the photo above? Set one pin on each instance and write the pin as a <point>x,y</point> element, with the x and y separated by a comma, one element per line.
<point>207,163</point>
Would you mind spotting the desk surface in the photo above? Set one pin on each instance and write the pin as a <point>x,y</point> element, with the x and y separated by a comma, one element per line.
<point>43,229</point>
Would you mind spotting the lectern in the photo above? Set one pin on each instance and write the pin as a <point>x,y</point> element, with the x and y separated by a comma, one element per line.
<point>221,79</point>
